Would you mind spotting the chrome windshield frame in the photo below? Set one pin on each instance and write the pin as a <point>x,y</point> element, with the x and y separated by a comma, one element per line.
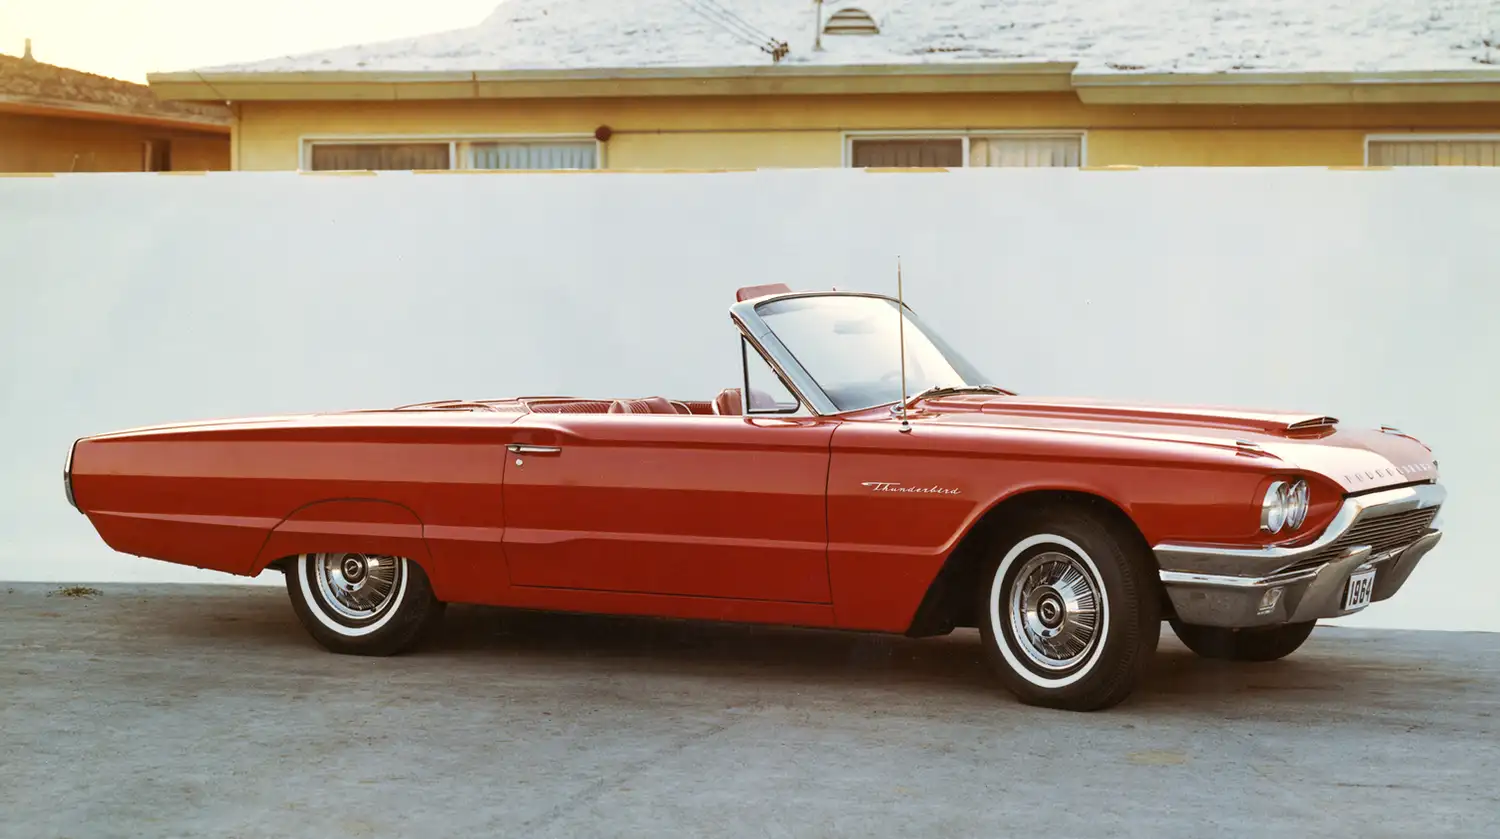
<point>760,336</point>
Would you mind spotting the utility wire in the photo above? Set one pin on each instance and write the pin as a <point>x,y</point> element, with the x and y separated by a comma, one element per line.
<point>737,27</point>
<point>726,12</point>
<point>719,22</point>
<point>731,25</point>
<point>729,21</point>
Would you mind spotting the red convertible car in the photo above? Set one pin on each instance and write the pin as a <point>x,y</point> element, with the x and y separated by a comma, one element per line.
<point>815,492</point>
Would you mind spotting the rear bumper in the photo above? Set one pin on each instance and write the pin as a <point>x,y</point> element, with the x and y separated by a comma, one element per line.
<point>1235,587</point>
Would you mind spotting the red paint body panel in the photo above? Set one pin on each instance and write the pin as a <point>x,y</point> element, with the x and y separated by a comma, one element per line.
<point>669,606</point>
<point>199,495</point>
<point>885,545</point>
<point>833,521</point>
<point>671,504</point>
<point>217,543</point>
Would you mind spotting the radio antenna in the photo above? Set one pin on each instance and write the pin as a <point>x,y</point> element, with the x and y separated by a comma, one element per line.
<point>905,426</point>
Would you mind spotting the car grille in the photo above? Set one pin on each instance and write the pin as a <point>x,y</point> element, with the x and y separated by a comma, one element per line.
<point>1382,534</point>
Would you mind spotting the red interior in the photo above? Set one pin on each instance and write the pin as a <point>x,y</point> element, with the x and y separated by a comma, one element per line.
<point>727,403</point>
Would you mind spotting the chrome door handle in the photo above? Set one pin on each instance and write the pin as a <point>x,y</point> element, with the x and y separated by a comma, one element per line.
<point>521,448</point>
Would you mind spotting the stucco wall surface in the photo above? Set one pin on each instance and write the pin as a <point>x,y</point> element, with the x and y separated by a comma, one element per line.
<point>134,299</point>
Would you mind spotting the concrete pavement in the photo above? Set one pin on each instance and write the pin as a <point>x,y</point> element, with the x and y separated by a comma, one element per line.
<point>206,711</point>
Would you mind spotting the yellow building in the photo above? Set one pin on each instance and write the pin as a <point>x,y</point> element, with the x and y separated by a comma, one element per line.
<point>711,84</point>
<point>53,119</point>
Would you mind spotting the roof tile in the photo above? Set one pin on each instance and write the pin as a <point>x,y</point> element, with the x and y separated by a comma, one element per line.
<point>1103,36</point>
<point>35,83</point>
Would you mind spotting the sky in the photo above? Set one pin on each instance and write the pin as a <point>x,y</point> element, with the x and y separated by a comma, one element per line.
<point>127,40</point>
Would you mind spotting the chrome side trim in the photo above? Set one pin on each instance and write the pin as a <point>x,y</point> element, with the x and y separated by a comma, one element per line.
<point>1178,578</point>
<point>1258,562</point>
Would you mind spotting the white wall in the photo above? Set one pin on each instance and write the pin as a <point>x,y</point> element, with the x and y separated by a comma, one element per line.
<point>133,299</point>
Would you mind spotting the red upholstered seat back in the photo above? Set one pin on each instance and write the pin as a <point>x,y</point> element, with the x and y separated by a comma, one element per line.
<point>727,403</point>
<point>649,405</point>
<point>574,406</point>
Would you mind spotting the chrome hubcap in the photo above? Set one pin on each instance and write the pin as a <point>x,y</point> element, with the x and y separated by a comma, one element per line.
<point>357,586</point>
<point>1054,610</point>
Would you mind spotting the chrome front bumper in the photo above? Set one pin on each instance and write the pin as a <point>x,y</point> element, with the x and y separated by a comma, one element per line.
<point>1246,587</point>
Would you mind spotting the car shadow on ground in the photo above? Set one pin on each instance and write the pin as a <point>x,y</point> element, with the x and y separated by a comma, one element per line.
<point>709,647</point>
<point>1329,669</point>
<point>953,662</point>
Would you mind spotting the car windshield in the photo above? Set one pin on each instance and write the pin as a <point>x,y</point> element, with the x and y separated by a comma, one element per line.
<point>849,345</point>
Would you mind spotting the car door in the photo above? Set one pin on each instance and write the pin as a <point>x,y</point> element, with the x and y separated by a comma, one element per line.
<point>692,505</point>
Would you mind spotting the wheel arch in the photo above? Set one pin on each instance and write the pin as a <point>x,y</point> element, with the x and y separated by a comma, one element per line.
<point>367,525</point>
<point>947,604</point>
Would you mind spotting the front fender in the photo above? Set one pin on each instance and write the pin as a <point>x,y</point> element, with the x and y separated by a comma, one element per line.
<point>899,505</point>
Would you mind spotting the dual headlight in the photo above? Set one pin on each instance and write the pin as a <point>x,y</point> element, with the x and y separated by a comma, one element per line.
<point>1285,506</point>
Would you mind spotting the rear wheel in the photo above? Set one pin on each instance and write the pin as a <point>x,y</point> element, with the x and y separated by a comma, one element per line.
<point>362,604</point>
<point>1068,611</point>
<point>1261,644</point>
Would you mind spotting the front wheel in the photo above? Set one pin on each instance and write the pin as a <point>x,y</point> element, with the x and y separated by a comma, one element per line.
<point>1261,644</point>
<point>362,604</point>
<point>1068,611</point>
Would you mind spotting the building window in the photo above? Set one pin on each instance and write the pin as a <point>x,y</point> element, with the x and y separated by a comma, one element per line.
<point>1434,151</point>
<point>336,157</point>
<point>908,153</point>
<point>1026,151</point>
<point>957,151</point>
<point>547,155</point>
<point>486,153</point>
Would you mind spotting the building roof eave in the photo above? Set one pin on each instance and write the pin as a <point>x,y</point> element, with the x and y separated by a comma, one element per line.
<point>618,82</point>
<point>1268,88</point>
<point>1118,88</point>
<point>78,110</point>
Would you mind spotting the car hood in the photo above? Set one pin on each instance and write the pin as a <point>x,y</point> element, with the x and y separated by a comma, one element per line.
<point>1356,459</point>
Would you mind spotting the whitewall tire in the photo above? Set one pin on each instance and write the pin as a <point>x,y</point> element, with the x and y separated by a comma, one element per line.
<point>362,604</point>
<point>1068,610</point>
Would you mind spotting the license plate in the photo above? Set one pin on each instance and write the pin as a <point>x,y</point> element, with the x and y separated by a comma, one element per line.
<point>1361,587</point>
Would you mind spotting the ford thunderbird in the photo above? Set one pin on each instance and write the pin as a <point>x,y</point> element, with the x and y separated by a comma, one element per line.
<point>860,475</point>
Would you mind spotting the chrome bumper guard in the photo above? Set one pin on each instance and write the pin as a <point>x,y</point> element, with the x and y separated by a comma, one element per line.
<point>1248,587</point>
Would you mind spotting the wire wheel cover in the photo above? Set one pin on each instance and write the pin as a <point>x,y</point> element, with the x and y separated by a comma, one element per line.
<point>1054,610</point>
<point>357,587</point>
